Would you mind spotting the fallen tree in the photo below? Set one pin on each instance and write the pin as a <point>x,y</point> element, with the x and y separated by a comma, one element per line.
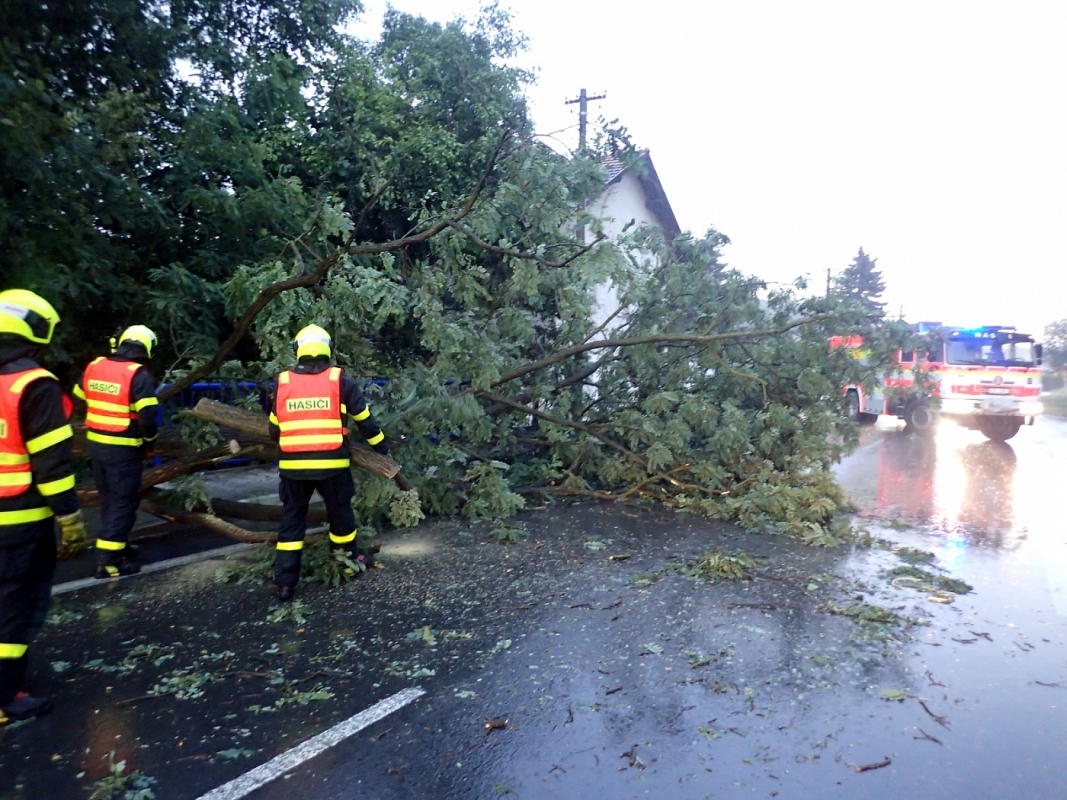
<point>400,196</point>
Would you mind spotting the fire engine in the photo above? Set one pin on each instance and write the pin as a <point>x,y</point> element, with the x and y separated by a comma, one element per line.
<point>987,379</point>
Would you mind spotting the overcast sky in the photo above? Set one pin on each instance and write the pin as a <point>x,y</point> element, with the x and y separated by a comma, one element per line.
<point>933,133</point>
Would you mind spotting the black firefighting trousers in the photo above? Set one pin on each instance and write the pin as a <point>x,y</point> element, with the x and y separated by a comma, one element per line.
<point>337,492</point>
<point>117,474</point>
<point>26,569</point>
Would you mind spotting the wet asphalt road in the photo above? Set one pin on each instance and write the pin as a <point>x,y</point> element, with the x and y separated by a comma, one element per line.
<point>624,677</point>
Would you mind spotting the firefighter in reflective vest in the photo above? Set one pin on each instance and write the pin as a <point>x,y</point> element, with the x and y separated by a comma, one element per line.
<point>36,484</point>
<point>309,420</point>
<point>120,422</point>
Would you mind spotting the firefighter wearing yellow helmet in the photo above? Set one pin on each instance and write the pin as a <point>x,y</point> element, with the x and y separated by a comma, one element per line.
<point>120,424</point>
<point>309,416</point>
<point>36,490</point>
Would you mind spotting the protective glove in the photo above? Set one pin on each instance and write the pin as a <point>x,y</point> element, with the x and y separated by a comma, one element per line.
<point>148,449</point>
<point>73,539</point>
<point>382,448</point>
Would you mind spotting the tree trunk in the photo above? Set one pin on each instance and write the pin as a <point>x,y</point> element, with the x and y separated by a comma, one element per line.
<point>256,424</point>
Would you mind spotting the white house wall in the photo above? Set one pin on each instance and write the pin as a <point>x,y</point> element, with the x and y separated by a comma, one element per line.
<point>622,202</point>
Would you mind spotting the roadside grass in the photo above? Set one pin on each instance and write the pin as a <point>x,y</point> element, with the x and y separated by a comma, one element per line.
<point>1055,403</point>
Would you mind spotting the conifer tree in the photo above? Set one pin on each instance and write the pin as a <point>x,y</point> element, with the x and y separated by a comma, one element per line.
<point>863,283</point>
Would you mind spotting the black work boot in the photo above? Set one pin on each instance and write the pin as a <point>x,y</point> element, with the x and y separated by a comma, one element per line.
<point>124,567</point>
<point>286,594</point>
<point>24,706</point>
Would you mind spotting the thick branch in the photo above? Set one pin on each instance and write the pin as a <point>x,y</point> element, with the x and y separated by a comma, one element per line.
<point>89,496</point>
<point>652,338</point>
<point>525,255</point>
<point>567,423</point>
<point>209,521</point>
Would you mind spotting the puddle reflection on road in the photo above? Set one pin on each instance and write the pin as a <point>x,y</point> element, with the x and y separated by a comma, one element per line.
<point>975,489</point>
<point>968,492</point>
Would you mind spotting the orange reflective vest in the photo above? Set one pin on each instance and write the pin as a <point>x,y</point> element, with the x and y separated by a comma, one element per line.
<point>16,472</point>
<point>311,421</point>
<point>107,396</point>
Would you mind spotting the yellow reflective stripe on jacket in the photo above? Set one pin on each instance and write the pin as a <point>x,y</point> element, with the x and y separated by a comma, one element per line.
<point>103,405</point>
<point>145,403</point>
<point>46,440</point>
<point>290,545</point>
<point>13,460</point>
<point>375,439</point>
<point>273,418</point>
<point>32,375</point>
<point>24,516</point>
<point>283,378</point>
<point>55,487</point>
<point>335,439</point>
<point>103,438</point>
<point>319,463</point>
<point>79,392</point>
<point>9,650</point>
<point>98,420</point>
<point>305,424</point>
<point>343,539</point>
<point>362,415</point>
<point>105,544</point>
<point>16,479</point>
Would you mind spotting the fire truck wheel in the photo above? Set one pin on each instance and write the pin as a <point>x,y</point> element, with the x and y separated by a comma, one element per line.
<point>999,429</point>
<point>852,410</point>
<point>921,419</point>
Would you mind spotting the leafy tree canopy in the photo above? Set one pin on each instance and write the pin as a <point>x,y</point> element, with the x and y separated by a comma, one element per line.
<point>1055,345</point>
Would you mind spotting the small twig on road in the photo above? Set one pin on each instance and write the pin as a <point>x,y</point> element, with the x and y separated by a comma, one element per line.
<point>631,754</point>
<point>613,691</point>
<point>129,701</point>
<point>195,757</point>
<point>927,737</point>
<point>933,681</point>
<point>940,720</point>
<point>1026,648</point>
<point>1053,685</point>
<point>964,641</point>
<point>875,765</point>
<point>985,636</point>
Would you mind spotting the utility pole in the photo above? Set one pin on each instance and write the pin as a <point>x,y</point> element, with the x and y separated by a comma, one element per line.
<point>827,281</point>
<point>583,113</point>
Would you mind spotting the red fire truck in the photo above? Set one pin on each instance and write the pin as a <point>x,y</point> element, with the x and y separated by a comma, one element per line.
<point>987,379</point>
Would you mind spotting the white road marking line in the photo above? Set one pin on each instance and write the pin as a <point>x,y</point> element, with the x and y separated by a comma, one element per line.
<point>291,759</point>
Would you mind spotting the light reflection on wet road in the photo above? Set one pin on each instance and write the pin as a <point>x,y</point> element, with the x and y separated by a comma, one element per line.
<point>965,492</point>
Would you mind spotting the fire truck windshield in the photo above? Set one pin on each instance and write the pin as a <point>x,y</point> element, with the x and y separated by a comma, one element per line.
<point>1000,351</point>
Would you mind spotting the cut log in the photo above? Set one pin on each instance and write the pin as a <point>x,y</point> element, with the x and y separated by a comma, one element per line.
<point>256,425</point>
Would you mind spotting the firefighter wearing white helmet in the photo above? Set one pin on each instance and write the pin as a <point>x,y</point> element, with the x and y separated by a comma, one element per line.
<point>120,424</point>
<point>36,490</point>
<point>309,418</point>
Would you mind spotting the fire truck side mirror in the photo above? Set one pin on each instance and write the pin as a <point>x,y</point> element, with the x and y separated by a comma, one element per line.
<point>1038,350</point>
